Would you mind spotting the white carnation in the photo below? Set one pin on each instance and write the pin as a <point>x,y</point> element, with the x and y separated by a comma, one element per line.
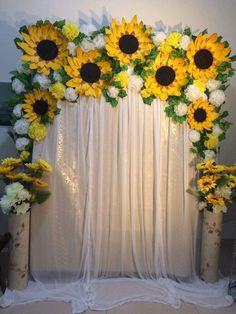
<point>217,97</point>
<point>99,41</point>
<point>193,93</point>
<point>212,85</point>
<point>23,195</point>
<point>70,94</point>
<point>216,130</point>
<point>135,82</point>
<point>14,188</point>
<point>21,143</point>
<point>202,205</point>
<point>6,203</point>
<point>87,29</point>
<point>22,208</point>
<point>21,126</point>
<point>17,86</point>
<point>87,45</point>
<point>43,81</point>
<point>72,48</point>
<point>209,154</point>
<point>113,91</point>
<point>158,37</point>
<point>17,111</point>
<point>57,76</point>
<point>184,42</point>
<point>181,109</point>
<point>21,69</point>
<point>194,136</point>
<point>224,192</point>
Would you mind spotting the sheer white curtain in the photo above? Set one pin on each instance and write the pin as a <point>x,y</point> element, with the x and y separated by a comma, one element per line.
<point>119,224</point>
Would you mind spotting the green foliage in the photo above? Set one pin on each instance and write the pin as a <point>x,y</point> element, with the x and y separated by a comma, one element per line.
<point>42,196</point>
<point>59,24</point>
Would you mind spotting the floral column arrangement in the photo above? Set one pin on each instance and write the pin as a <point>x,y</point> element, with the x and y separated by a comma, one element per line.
<point>24,187</point>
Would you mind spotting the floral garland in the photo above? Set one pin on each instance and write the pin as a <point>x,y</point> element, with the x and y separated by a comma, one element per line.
<point>189,73</point>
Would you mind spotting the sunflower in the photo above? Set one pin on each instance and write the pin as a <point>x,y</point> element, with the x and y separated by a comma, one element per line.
<point>32,166</point>
<point>169,75</point>
<point>44,166</point>
<point>86,73</point>
<point>20,176</point>
<point>11,162</point>
<point>205,54</point>
<point>45,48</point>
<point>128,41</point>
<point>215,200</point>
<point>201,115</point>
<point>5,170</point>
<point>40,183</point>
<point>38,105</point>
<point>206,165</point>
<point>206,183</point>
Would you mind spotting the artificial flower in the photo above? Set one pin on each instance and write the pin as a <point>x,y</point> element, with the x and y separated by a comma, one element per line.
<point>216,130</point>
<point>86,72</point>
<point>99,42</point>
<point>43,80</point>
<point>17,86</point>
<point>206,183</point>
<point>22,69</point>
<point>40,183</point>
<point>11,162</point>
<point>57,90</point>
<point>37,131</point>
<point>122,78</point>
<point>173,39</point>
<point>202,205</point>
<point>45,48</point>
<point>70,31</point>
<point>113,91</point>
<point>23,208</point>
<point>200,85</point>
<point>217,97</point>
<point>21,126</point>
<point>87,29</point>
<point>215,200</point>
<point>193,93</point>
<point>32,166</point>
<point>184,42</point>
<point>212,84</point>
<point>70,94</point>
<point>5,169</point>
<point>57,76</point>
<point>201,115</point>
<point>38,104</point>
<point>194,136</point>
<point>128,41</point>
<point>24,155</point>
<point>211,142</point>
<point>205,54</point>
<point>181,109</point>
<point>158,38</point>
<point>87,45</point>
<point>209,154</point>
<point>135,82</point>
<point>224,191</point>
<point>21,143</point>
<point>17,110</point>
<point>44,166</point>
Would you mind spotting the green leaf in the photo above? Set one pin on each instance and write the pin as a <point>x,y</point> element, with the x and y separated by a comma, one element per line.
<point>39,23</point>
<point>15,99</point>
<point>114,102</point>
<point>57,111</point>
<point>59,24</point>
<point>187,31</point>
<point>122,93</point>
<point>42,196</point>
<point>205,31</point>
<point>24,29</point>
<point>233,58</point>
<point>148,100</point>
<point>106,77</point>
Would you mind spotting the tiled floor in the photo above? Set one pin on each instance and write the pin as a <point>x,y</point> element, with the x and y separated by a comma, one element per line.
<point>129,308</point>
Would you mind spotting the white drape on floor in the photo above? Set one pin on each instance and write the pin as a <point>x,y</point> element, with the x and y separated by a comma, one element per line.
<point>119,223</point>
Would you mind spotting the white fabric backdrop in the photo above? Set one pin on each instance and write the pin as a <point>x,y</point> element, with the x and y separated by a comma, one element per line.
<point>119,223</point>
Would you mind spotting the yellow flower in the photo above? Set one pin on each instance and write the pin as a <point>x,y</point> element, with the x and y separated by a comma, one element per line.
<point>37,131</point>
<point>230,168</point>
<point>44,166</point>
<point>206,165</point>
<point>5,169</point>
<point>173,39</point>
<point>24,155</point>
<point>205,54</point>
<point>212,141</point>
<point>201,115</point>
<point>58,90</point>
<point>70,31</point>
<point>32,166</point>
<point>206,183</point>
<point>38,104</point>
<point>128,41</point>
<point>165,48</point>
<point>40,183</point>
<point>20,176</point>
<point>215,200</point>
<point>200,85</point>
<point>45,48</point>
<point>11,162</point>
<point>122,78</point>
<point>166,78</point>
<point>232,182</point>
<point>86,73</point>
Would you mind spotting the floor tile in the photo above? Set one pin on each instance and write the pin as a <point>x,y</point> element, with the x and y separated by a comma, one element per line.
<point>225,310</point>
<point>152,308</point>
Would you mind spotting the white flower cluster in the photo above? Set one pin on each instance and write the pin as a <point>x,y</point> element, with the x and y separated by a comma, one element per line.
<point>21,126</point>
<point>184,42</point>
<point>158,38</point>
<point>17,86</point>
<point>16,199</point>
<point>17,110</point>
<point>193,93</point>
<point>43,80</point>
<point>181,109</point>
<point>21,143</point>
<point>70,94</point>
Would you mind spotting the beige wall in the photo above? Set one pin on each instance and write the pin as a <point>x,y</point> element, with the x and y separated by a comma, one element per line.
<point>216,15</point>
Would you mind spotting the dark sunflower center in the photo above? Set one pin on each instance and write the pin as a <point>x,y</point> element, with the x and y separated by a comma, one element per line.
<point>47,50</point>
<point>90,72</point>
<point>203,59</point>
<point>40,107</point>
<point>128,44</point>
<point>165,75</point>
<point>200,115</point>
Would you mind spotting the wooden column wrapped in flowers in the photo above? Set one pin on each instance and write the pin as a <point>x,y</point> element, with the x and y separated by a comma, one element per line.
<point>216,189</point>
<point>24,187</point>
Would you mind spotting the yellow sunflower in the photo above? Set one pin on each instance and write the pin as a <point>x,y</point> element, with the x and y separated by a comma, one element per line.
<point>205,54</point>
<point>11,162</point>
<point>44,165</point>
<point>86,72</point>
<point>206,165</point>
<point>201,115</point>
<point>169,75</point>
<point>128,41</point>
<point>39,104</point>
<point>20,176</point>
<point>215,200</point>
<point>32,166</point>
<point>206,183</point>
<point>45,48</point>
<point>40,183</point>
<point>5,170</point>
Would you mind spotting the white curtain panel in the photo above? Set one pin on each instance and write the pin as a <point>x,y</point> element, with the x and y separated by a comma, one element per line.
<point>119,224</point>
